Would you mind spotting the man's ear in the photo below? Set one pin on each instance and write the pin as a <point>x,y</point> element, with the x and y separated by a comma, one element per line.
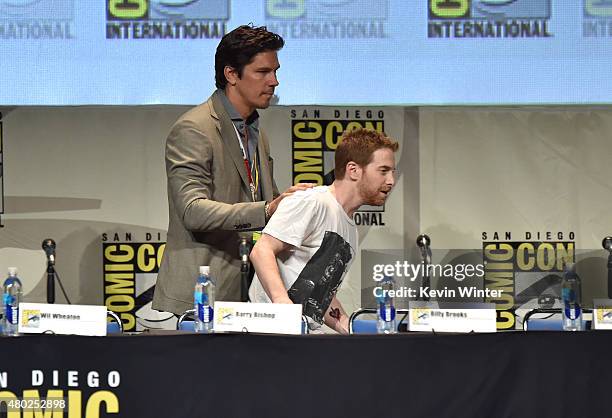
<point>231,75</point>
<point>353,170</point>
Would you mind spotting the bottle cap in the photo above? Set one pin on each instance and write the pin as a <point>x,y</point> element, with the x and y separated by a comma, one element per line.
<point>12,271</point>
<point>205,270</point>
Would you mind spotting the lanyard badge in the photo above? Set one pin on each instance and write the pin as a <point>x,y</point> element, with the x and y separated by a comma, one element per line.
<point>253,184</point>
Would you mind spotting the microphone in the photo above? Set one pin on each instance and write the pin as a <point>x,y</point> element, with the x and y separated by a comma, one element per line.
<point>424,242</point>
<point>607,244</point>
<point>49,246</point>
<point>243,251</point>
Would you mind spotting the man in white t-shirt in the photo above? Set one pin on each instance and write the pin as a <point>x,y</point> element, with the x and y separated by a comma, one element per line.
<point>308,244</point>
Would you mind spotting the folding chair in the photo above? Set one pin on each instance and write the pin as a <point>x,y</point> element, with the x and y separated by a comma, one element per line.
<point>549,319</point>
<point>368,326</point>
<point>115,326</point>
<point>186,321</point>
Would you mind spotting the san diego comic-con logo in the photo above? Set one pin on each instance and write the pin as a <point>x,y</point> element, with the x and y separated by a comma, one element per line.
<point>597,21</point>
<point>130,273</point>
<point>70,393</point>
<point>488,18</point>
<point>327,19</point>
<point>31,318</point>
<point>36,19</point>
<point>528,271</point>
<point>314,139</point>
<point>225,315</point>
<point>166,19</point>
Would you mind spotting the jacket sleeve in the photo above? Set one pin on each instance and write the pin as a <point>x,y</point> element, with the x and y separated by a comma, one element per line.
<point>189,167</point>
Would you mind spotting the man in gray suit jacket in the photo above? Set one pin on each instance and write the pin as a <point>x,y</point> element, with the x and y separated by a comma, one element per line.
<point>220,182</point>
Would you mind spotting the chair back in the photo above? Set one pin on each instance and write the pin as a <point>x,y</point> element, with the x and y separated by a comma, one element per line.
<point>549,319</point>
<point>364,320</point>
<point>115,326</point>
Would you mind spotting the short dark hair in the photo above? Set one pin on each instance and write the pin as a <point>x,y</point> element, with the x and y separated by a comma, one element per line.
<point>238,47</point>
<point>358,146</point>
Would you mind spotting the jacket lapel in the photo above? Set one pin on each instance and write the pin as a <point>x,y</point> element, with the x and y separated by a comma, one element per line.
<point>228,136</point>
<point>264,168</point>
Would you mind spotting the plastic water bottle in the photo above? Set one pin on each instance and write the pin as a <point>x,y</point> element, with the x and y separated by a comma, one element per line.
<point>204,300</point>
<point>386,310</point>
<point>571,310</point>
<point>11,296</point>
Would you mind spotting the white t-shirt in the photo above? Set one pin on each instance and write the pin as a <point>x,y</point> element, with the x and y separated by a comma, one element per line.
<point>323,240</point>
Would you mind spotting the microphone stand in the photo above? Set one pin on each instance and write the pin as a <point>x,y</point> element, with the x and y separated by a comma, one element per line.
<point>426,277</point>
<point>49,246</point>
<point>610,275</point>
<point>423,241</point>
<point>607,244</point>
<point>50,282</point>
<point>244,270</point>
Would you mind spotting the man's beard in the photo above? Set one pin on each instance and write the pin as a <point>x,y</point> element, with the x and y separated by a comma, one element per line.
<point>371,196</point>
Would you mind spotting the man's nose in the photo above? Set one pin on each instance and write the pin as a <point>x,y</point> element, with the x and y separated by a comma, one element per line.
<point>274,80</point>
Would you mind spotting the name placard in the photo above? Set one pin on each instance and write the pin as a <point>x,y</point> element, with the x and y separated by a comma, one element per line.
<point>39,318</point>
<point>427,316</point>
<point>274,318</point>
<point>602,314</point>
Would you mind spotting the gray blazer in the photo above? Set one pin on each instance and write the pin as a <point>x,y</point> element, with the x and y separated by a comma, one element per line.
<point>209,205</point>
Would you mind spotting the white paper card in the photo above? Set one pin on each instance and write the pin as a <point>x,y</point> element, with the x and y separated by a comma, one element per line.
<point>275,318</point>
<point>39,318</point>
<point>455,319</point>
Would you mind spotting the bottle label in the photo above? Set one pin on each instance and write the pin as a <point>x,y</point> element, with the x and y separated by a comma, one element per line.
<point>205,313</point>
<point>387,313</point>
<point>14,317</point>
<point>572,311</point>
<point>10,311</point>
<point>571,307</point>
<point>208,314</point>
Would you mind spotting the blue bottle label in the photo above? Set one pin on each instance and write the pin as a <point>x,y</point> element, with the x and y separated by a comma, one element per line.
<point>572,311</point>
<point>208,313</point>
<point>14,317</point>
<point>571,307</point>
<point>387,313</point>
<point>10,311</point>
<point>205,313</point>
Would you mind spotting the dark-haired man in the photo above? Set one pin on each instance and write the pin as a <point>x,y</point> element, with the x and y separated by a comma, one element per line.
<point>307,246</point>
<point>219,171</point>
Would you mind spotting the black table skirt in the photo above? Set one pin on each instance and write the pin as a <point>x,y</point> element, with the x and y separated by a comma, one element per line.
<point>517,374</point>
